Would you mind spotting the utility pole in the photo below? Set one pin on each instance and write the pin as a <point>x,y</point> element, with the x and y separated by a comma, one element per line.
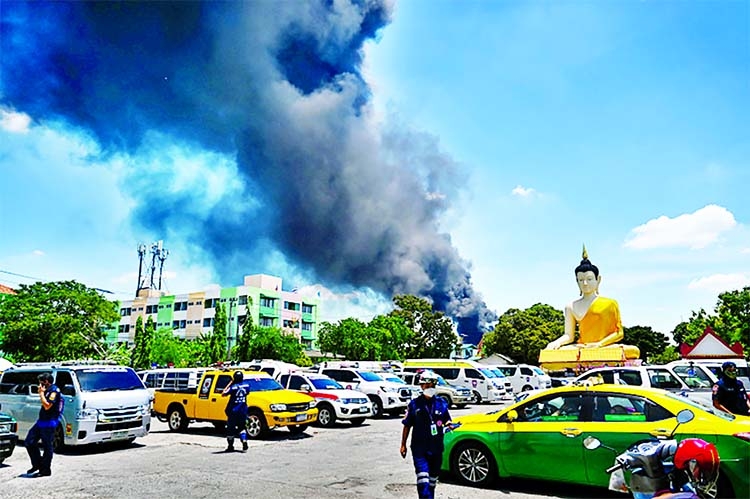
<point>230,336</point>
<point>141,254</point>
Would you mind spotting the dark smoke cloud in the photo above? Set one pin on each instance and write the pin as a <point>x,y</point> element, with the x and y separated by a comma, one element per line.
<point>278,87</point>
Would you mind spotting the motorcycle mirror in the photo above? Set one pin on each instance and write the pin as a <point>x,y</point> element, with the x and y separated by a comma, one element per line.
<point>592,443</point>
<point>685,416</point>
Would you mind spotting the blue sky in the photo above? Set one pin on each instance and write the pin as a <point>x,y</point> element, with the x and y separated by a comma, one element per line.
<point>621,125</point>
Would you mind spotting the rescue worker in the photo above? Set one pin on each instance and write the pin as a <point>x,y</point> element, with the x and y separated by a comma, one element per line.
<point>44,428</point>
<point>236,410</point>
<point>729,393</point>
<point>428,416</point>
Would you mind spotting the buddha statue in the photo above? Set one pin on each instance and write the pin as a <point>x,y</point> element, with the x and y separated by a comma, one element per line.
<point>597,321</point>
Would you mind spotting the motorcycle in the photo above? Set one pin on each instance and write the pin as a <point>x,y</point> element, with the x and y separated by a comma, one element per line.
<point>664,468</point>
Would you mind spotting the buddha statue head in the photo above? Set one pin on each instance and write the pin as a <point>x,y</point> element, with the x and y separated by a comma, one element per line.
<point>587,275</point>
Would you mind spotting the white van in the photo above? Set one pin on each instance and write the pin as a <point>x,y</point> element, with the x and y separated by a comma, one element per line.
<point>173,378</point>
<point>103,402</point>
<point>486,386</point>
<point>525,377</point>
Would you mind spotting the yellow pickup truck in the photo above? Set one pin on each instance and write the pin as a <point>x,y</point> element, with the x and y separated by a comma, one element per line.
<point>269,404</point>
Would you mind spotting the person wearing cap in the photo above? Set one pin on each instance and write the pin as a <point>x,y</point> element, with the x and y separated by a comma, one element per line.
<point>236,410</point>
<point>729,393</point>
<point>428,416</point>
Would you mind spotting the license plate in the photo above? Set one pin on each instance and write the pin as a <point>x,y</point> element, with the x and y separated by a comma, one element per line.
<point>301,417</point>
<point>119,435</point>
<point>364,409</point>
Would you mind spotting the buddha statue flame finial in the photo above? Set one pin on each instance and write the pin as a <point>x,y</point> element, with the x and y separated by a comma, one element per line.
<point>584,254</point>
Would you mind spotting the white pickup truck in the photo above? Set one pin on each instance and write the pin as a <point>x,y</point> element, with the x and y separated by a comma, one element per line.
<point>386,396</point>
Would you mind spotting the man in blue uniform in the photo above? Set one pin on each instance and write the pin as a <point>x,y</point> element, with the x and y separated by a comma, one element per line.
<point>236,410</point>
<point>729,393</point>
<point>428,416</point>
<point>44,428</point>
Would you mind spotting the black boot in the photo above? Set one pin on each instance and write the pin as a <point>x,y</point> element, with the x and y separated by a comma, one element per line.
<point>230,446</point>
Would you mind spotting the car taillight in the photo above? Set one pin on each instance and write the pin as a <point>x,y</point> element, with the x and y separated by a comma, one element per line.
<point>745,435</point>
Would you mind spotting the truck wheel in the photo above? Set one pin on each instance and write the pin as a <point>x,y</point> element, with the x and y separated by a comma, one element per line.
<point>298,429</point>
<point>377,407</point>
<point>476,398</point>
<point>59,441</point>
<point>176,419</point>
<point>357,421</point>
<point>256,424</point>
<point>326,416</point>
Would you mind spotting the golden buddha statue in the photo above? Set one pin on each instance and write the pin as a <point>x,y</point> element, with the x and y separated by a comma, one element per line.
<point>597,321</point>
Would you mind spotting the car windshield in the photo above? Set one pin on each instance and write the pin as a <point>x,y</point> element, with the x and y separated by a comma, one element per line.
<point>368,376</point>
<point>537,370</point>
<point>488,373</point>
<point>498,373</point>
<point>441,381</point>
<point>326,384</point>
<point>393,379</point>
<point>508,371</point>
<point>701,407</point>
<point>108,379</point>
<point>262,384</point>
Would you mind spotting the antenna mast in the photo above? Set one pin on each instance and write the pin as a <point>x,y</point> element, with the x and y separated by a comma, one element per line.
<point>141,254</point>
<point>163,254</point>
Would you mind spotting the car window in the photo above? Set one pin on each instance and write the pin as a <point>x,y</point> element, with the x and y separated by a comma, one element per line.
<point>206,386</point>
<point>661,378</point>
<point>566,407</point>
<point>620,407</point>
<point>525,371</point>
<point>473,374</point>
<point>284,380</point>
<point>447,372</point>
<point>600,377</point>
<point>222,382</point>
<point>296,383</point>
<point>18,382</point>
<point>369,376</point>
<point>508,371</point>
<point>537,370</point>
<point>629,377</point>
<point>693,377</point>
<point>64,382</point>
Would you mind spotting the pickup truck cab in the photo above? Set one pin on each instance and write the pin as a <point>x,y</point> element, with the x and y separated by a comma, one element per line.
<point>333,400</point>
<point>269,404</point>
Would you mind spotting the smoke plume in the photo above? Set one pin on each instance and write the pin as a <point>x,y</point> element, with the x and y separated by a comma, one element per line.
<point>277,88</point>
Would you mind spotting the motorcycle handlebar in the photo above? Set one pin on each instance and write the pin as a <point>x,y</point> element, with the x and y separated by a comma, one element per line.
<point>614,468</point>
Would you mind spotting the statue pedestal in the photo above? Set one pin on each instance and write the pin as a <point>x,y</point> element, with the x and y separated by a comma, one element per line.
<point>576,358</point>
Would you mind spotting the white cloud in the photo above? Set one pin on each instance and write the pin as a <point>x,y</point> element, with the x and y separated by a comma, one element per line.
<point>693,230</point>
<point>745,251</point>
<point>719,283</point>
<point>14,122</point>
<point>523,192</point>
<point>38,253</point>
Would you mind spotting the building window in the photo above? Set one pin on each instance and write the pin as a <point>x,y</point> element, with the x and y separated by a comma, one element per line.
<point>179,324</point>
<point>267,302</point>
<point>180,305</point>
<point>140,309</point>
<point>152,309</point>
<point>291,323</point>
<point>290,305</point>
<point>307,309</point>
<point>208,322</point>
<point>210,303</point>
<point>307,326</point>
<point>243,300</point>
<point>125,311</point>
<point>124,328</point>
<point>266,321</point>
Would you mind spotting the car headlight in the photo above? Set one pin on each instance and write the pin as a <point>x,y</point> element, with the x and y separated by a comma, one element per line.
<point>88,414</point>
<point>144,409</point>
<point>6,427</point>
<point>279,407</point>
<point>389,389</point>
<point>311,405</point>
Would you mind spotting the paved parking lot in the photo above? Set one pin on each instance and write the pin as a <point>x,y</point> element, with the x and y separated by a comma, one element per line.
<point>341,462</point>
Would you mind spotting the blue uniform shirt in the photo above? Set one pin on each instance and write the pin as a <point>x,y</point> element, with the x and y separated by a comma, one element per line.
<point>238,399</point>
<point>731,394</point>
<point>48,418</point>
<point>421,414</point>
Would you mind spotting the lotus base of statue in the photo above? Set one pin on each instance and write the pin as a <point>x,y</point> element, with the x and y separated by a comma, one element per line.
<point>577,357</point>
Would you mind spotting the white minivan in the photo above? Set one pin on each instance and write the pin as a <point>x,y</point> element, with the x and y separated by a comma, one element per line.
<point>525,377</point>
<point>103,402</point>
<point>485,385</point>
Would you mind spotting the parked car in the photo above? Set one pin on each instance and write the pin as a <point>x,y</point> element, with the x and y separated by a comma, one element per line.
<point>708,371</point>
<point>386,396</point>
<point>536,439</point>
<point>334,402</point>
<point>525,377</point>
<point>8,436</point>
<point>395,378</point>
<point>650,376</point>
<point>454,395</point>
<point>485,385</point>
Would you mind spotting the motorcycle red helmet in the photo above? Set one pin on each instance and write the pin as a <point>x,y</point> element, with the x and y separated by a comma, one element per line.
<point>700,460</point>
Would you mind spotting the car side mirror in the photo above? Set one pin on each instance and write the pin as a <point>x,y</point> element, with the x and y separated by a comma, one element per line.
<point>68,390</point>
<point>685,416</point>
<point>305,388</point>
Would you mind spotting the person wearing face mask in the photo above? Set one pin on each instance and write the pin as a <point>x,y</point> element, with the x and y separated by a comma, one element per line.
<point>428,416</point>
<point>729,393</point>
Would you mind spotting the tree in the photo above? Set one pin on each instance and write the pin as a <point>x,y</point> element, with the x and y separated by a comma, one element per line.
<point>166,349</point>
<point>242,351</point>
<point>522,334</point>
<point>55,321</point>
<point>135,354</point>
<point>273,343</point>
<point>434,335</point>
<point>141,355</point>
<point>393,336</point>
<point>650,342</point>
<point>348,338</point>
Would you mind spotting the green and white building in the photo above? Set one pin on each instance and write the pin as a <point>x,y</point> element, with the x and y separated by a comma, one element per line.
<point>192,314</point>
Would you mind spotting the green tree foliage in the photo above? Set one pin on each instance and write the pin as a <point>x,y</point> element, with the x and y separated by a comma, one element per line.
<point>141,354</point>
<point>693,328</point>
<point>273,343</point>
<point>666,356</point>
<point>135,354</point>
<point>393,336</point>
<point>348,338</point>
<point>433,331</point>
<point>650,342</point>
<point>166,348</point>
<point>522,334</point>
<point>55,321</point>
<point>242,350</point>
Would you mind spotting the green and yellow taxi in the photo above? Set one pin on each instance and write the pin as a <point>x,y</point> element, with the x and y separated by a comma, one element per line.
<point>542,436</point>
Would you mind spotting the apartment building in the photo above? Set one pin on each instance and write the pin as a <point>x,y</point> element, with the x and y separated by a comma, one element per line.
<point>192,314</point>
